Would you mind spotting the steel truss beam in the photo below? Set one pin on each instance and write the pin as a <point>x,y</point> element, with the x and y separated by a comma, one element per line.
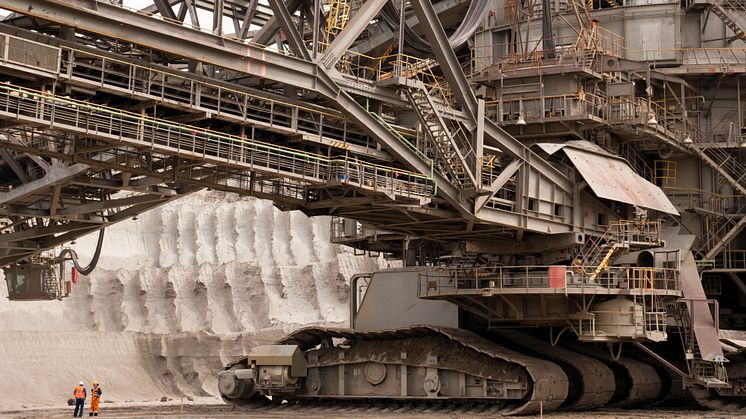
<point>259,17</point>
<point>165,9</point>
<point>242,29</point>
<point>20,245</point>
<point>494,135</point>
<point>343,41</point>
<point>445,56</point>
<point>264,35</point>
<point>119,23</point>
<point>294,38</point>
<point>115,22</point>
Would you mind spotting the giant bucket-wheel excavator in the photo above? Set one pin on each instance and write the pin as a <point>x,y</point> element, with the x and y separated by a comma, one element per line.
<point>563,181</point>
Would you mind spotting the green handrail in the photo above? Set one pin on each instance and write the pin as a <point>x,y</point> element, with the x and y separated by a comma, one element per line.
<point>417,151</point>
<point>210,135</point>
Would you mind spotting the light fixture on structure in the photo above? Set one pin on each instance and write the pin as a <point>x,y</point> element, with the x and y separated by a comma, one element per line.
<point>521,120</point>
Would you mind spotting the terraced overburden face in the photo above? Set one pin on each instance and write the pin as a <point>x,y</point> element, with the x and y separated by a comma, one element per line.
<point>178,293</point>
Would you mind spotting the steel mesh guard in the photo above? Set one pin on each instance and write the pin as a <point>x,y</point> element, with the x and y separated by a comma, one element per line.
<point>32,54</point>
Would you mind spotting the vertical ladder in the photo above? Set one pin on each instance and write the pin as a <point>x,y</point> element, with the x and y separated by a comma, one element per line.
<point>49,283</point>
<point>337,17</point>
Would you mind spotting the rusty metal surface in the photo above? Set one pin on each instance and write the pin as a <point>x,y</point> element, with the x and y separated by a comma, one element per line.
<point>642,384</point>
<point>691,286</point>
<point>550,383</point>
<point>613,179</point>
<point>704,326</point>
<point>597,384</point>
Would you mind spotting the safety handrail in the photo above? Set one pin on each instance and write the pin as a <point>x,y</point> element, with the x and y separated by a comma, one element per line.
<point>48,107</point>
<point>414,148</point>
<point>475,279</point>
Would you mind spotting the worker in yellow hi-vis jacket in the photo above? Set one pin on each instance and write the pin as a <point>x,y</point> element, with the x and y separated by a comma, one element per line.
<point>95,397</point>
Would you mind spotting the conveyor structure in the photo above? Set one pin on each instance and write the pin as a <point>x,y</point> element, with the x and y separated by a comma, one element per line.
<point>562,180</point>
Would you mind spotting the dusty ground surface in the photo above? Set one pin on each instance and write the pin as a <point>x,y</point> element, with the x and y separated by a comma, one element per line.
<point>200,411</point>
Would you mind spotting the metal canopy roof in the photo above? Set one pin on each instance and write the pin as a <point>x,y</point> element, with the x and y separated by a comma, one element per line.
<point>613,179</point>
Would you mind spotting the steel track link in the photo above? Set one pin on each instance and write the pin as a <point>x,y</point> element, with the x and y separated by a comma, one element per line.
<point>638,383</point>
<point>595,382</point>
<point>365,407</point>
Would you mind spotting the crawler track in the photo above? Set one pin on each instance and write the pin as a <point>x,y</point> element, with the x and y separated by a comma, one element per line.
<point>544,384</point>
<point>592,382</point>
<point>637,383</point>
<point>386,406</point>
<point>548,386</point>
<point>543,377</point>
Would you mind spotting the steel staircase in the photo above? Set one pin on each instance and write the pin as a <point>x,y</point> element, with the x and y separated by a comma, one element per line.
<point>448,144</point>
<point>733,173</point>
<point>619,236</point>
<point>721,237</point>
<point>598,251</point>
<point>709,374</point>
<point>635,159</point>
<point>723,9</point>
<point>731,170</point>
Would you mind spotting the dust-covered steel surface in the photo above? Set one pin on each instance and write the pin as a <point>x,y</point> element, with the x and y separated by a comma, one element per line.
<point>549,385</point>
<point>382,412</point>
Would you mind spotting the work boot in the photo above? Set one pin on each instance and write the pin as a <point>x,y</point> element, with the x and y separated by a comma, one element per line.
<point>95,414</point>
<point>90,413</point>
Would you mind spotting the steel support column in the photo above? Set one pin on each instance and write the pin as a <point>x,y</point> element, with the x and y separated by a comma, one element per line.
<point>165,9</point>
<point>465,96</point>
<point>445,56</point>
<point>294,38</point>
<point>267,32</point>
<point>351,31</point>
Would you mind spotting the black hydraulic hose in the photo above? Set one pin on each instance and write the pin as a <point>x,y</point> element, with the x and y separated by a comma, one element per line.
<point>94,261</point>
<point>459,37</point>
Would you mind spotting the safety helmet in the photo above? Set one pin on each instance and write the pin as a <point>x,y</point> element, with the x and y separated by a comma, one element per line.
<point>95,383</point>
<point>81,383</point>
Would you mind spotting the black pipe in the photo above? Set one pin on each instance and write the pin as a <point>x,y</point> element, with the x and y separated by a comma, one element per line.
<point>94,261</point>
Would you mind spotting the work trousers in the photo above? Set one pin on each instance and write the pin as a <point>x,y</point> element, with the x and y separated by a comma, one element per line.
<point>94,404</point>
<point>79,404</point>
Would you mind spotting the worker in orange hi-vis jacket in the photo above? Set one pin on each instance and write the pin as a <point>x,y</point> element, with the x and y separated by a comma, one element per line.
<point>79,393</point>
<point>95,397</point>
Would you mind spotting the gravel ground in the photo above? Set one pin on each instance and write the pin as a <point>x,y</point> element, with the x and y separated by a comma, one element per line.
<point>219,411</point>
